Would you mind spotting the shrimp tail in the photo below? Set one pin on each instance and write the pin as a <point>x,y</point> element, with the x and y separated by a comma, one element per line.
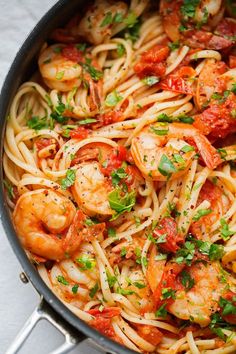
<point>209,154</point>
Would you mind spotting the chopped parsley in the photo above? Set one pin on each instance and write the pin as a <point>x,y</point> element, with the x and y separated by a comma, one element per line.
<point>120,50</point>
<point>87,121</point>
<point>62,280</point>
<point>38,123</point>
<point>186,279</point>
<point>113,98</point>
<point>217,325</point>
<point>125,291</point>
<point>131,20</point>
<point>168,293</point>
<point>161,312</point>
<point>57,115</point>
<point>185,119</point>
<point>188,8</point>
<point>151,80</point>
<point>118,175</point>
<point>94,73</point>
<point>174,45</point>
<point>111,279</point>
<point>60,75</point>
<point>69,180</point>
<point>109,19</point>
<point>185,254</point>
<point>166,167</point>
<point>9,189</point>
<point>160,129</point>
<point>123,252</point>
<point>93,291</point>
<point>74,289</point>
<point>228,308</point>
<point>85,262</point>
<point>121,202</point>
<point>139,285</point>
<point>111,232</point>
<point>225,232</point>
<point>200,213</point>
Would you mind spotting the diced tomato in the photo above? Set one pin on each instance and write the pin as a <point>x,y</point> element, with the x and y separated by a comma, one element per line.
<point>156,54</point>
<point>115,160</point>
<point>108,312</point>
<point>232,61</point>
<point>231,318</point>
<point>72,53</point>
<point>206,40</point>
<point>108,118</point>
<point>177,81</point>
<point>102,321</point>
<point>227,27</point>
<point>152,62</point>
<point>79,133</point>
<point>41,143</point>
<point>168,228</point>
<point>168,280</point>
<point>176,84</point>
<point>212,194</point>
<point>149,69</point>
<point>151,334</point>
<point>217,120</point>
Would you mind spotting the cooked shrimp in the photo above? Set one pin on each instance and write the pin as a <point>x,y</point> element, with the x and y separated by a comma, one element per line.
<point>219,205</point>
<point>47,224</point>
<point>207,15</point>
<point>160,152</point>
<point>94,27</point>
<point>209,81</point>
<point>200,302</point>
<point>59,72</point>
<point>211,7</point>
<point>91,190</point>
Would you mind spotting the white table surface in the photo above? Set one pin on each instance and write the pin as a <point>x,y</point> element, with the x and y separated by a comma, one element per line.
<point>17,300</point>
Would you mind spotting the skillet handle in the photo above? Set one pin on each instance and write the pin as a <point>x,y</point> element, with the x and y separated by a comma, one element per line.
<point>44,311</point>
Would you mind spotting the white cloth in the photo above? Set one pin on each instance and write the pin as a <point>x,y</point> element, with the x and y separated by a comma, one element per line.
<point>17,301</point>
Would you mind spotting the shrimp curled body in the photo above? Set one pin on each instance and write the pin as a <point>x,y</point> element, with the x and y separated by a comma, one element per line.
<point>45,222</point>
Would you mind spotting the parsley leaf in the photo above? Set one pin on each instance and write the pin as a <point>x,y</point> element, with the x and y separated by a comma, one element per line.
<point>200,213</point>
<point>160,129</point>
<point>186,279</point>
<point>174,45</point>
<point>166,167</point>
<point>121,203</point>
<point>69,180</point>
<point>75,289</point>
<point>94,73</point>
<point>62,280</point>
<point>107,19</point>
<point>9,189</point>
<point>111,232</point>
<point>168,293</point>
<point>185,254</point>
<point>161,312</point>
<point>113,98</point>
<point>120,50</point>
<point>38,123</point>
<point>151,80</point>
<point>85,262</point>
<point>93,291</point>
<point>225,232</point>
<point>111,279</point>
<point>117,175</point>
<point>188,8</point>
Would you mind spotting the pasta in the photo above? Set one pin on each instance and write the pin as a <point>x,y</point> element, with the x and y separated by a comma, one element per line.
<point>119,160</point>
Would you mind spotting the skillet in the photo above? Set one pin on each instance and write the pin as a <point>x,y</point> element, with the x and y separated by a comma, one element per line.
<point>50,307</point>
